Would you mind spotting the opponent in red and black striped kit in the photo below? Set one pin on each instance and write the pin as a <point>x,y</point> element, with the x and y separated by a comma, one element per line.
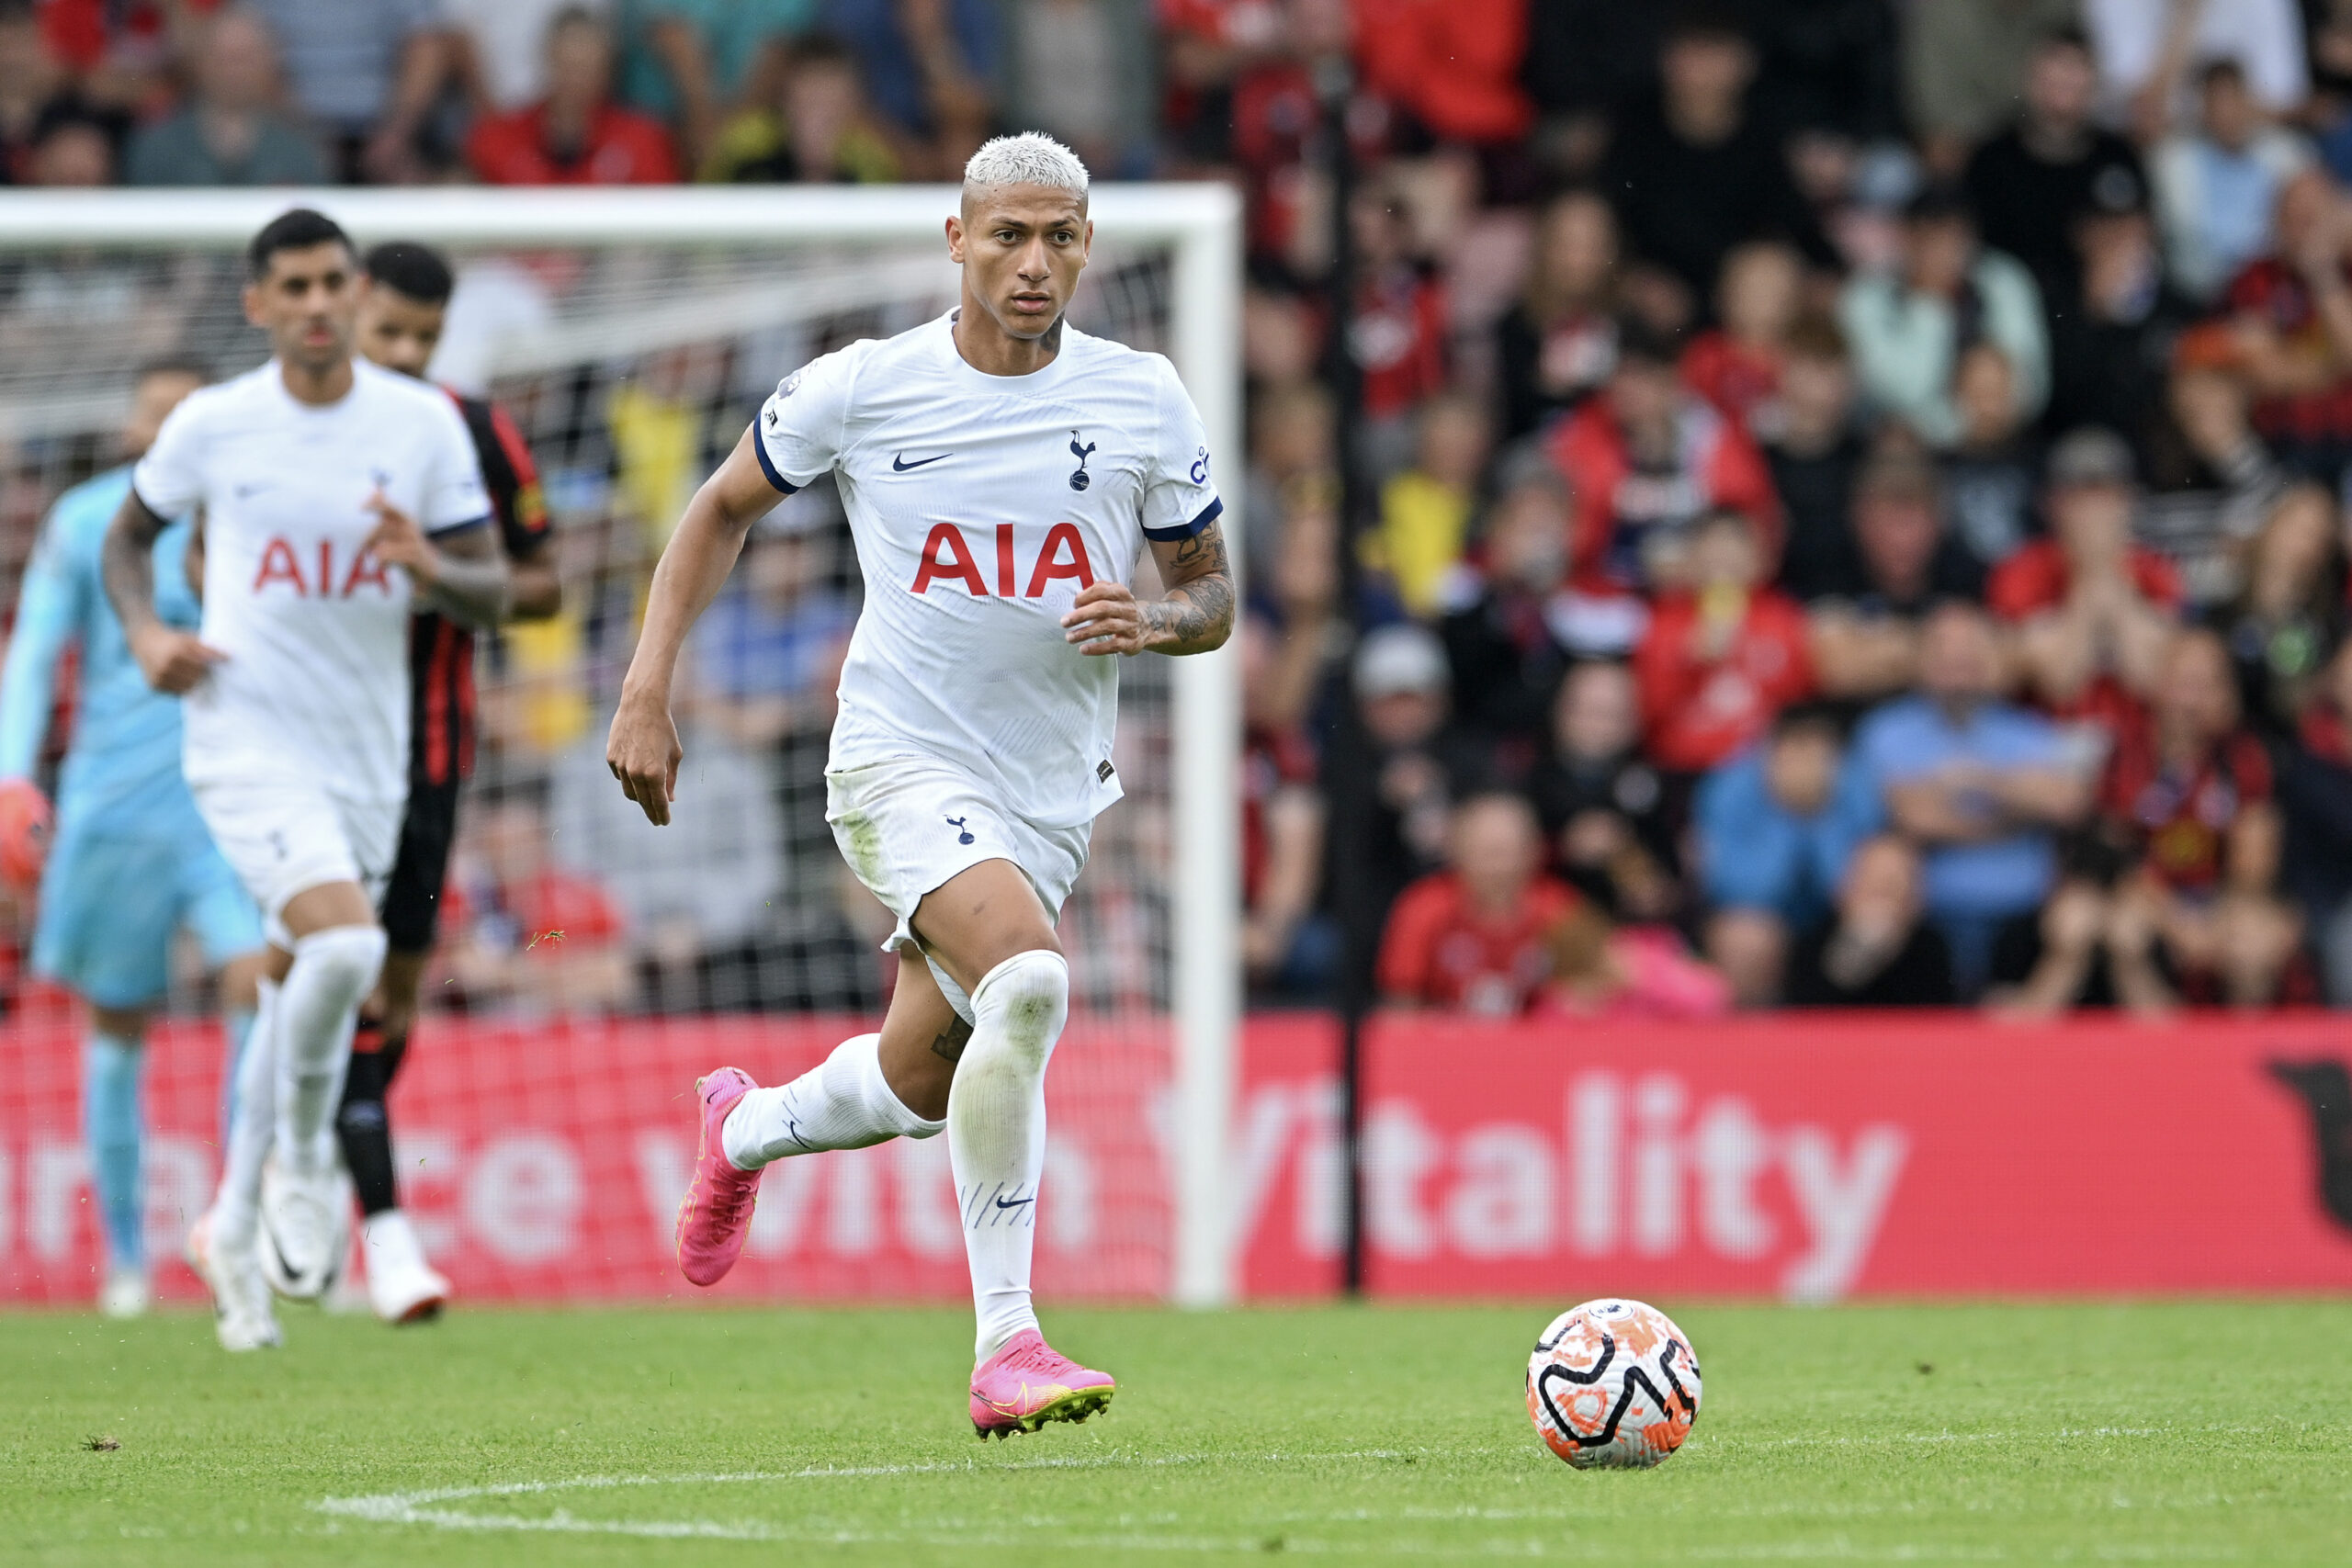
<point>400,325</point>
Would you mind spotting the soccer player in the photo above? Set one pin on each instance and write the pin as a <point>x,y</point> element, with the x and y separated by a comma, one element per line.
<point>319,475</point>
<point>1002,473</point>
<point>399,322</point>
<point>130,861</point>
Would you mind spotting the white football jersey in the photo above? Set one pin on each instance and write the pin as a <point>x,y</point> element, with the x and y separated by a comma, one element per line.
<point>316,681</point>
<point>980,505</point>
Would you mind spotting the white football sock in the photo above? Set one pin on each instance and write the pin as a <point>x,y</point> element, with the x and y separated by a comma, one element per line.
<point>318,1008</point>
<point>996,1133</point>
<point>253,1123</point>
<point>843,1102</point>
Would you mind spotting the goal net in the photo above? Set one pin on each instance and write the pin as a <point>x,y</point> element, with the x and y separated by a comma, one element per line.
<point>591,965</point>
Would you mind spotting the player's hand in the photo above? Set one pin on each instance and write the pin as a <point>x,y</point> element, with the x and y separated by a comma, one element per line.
<point>1107,618</point>
<point>173,660</point>
<point>25,825</point>
<point>644,753</point>
<point>398,541</point>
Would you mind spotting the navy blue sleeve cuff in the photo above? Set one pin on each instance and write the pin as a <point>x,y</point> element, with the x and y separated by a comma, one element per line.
<point>448,528</point>
<point>767,466</point>
<point>1184,531</point>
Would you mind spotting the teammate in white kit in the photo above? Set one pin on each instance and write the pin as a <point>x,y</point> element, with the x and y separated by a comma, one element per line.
<point>317,475</point>
<point>1002,473</point>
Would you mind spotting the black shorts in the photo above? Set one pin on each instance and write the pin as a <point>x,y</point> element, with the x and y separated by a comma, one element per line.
<point>412,899</point>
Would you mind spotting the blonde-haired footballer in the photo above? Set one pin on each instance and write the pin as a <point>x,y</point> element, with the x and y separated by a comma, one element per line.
<point>1002,474</point>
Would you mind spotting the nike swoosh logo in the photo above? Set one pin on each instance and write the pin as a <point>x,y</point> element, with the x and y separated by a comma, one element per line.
<point>1014,1205</point>
<point>899,463</point>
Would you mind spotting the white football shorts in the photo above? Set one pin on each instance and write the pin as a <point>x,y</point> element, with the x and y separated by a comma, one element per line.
<point>907,825</point>
<point>284,836</point>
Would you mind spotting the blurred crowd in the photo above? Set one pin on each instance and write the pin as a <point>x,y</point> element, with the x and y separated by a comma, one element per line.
<point>1857,487</point>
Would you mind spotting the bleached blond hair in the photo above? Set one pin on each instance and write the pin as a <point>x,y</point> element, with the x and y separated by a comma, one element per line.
<point>1031,158</point>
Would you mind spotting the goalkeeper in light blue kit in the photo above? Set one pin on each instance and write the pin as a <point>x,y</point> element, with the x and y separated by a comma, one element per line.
<point>130,861</point>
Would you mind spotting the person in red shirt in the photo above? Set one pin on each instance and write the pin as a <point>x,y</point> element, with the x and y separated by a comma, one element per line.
<point>1722,656</point>
<point>1477,937</point>
<point>2191,795</point>
<point>2095,611</point>
<point>2291,317</point>
<point>1737,366</point>
<point>1397,335</point>
<point>1645,459</point>
<point>1453,64</point>
<point>576,135</point>
<point>524,932</point>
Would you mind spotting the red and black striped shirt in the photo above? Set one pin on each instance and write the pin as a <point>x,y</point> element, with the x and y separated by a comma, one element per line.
<point>440,651</point>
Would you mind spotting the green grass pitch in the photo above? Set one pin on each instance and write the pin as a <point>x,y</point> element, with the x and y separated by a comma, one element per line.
<point>2176,1433</point>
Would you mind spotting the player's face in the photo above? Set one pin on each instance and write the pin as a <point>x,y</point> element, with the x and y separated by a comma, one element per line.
<point>307,302</point>
<point>158,394</point>
<point>396,331</point>
<point>1022,248</point>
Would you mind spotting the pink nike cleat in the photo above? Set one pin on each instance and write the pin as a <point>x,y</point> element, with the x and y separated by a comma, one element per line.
<point>1028,1384</point>
<point>716,1213</point>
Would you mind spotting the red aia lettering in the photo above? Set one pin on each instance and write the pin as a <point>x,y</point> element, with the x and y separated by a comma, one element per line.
<point>280,564</point>
<point>943,555</point>
<point>947,558</point>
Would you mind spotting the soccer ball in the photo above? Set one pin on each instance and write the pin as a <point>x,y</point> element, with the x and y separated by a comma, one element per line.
<point>1613,1385</point>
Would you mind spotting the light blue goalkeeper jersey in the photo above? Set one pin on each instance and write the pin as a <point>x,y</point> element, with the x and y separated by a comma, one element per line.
<point>121,777</point>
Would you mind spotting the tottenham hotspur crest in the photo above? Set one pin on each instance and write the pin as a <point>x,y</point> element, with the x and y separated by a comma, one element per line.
<point>1079,480</point>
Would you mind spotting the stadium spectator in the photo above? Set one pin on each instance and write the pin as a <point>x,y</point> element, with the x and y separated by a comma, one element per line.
<point>1772,829</point>
<point>2201,916</point>
<point>1293,461</point>
<point>1425,511</point>
<point>1454,65</point>
<point>1601,969</point>
<point>1694,171</point>
<point>1737,366</point>
<point>815,129</point>
<point>2095,611</point>
<point>1814,455</point>
<point>2290,315</point>
<point>2114,322</point>
<point>367,74</point>
<point>768,652</point>
<point>1399,684</point>
<point>1962,66</point>
<point>2315,798</point>
<point>1644,460</point>
<point>1984,788</point>
<point>1476,938</point>
<point>1991,473</point>
<point>31,77</point>
<point>1587,60</point>
<point>1604,807</point>
<point>499,51</point>
<point>1863,633</point>
<point>930,66</point>
<point>2028,184</point>
<point>1081,71</point>
<point>1282,827</point>
<point>2146,49</point>
<point>2217,186</point>
<point>1911,326</point>
<point>1557,343</point>
<point>230,131</point>
<point>522,934</point>
<point>686,61</point>
<point>1722,655</point>
<point>2212,481</point>
<point>1397,333</point>
<point>2283,625</point>
<point>72,146</point>
<point>1876,951</point>
<point>577,134</point>
<point>1516,625</point>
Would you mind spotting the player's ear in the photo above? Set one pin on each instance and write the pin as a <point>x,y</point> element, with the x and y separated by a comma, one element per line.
<point>253,303</point>
<point>956,238</point>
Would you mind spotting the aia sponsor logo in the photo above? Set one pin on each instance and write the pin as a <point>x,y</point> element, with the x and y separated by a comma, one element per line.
<point>948,557</point>
<point>321,572</point>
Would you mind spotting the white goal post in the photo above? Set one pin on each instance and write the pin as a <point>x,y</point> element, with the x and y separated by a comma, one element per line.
<point>1200,227</point>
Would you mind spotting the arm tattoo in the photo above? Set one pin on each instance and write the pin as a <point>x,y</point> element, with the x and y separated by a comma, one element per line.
<point>949,1046</point>
<point>127,563</point>
<point>1197,615</point>
<point>474,589</point>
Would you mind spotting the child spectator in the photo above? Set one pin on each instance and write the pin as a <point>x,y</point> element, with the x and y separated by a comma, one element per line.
<point>228,133</point>
<point>815,132</point>
<point>1982,787</point>
<point>2095,611</point>
<point>1721,658</point>
<point>1864,636</point>
<point>1603,970</point>
<point>1476,938</point>
<point>577,134</point>
<point>2282,627</point>
<point>1737,366</point>
<point>2202,916</point>
<point>1644,459</point>
<point>1990,473</point>
<point>1910,327</point>
<point>1773,828</point>
<point>1604,806</point>
<point>2216,187</point>
<point>1815,452</point>
<point>1877,950</point>
<point>1425,511</point>
<point>1557,344</point>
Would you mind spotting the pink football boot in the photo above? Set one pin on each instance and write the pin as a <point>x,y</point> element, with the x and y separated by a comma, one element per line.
<point>1028,1384</point>
<point>716,1213</point>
